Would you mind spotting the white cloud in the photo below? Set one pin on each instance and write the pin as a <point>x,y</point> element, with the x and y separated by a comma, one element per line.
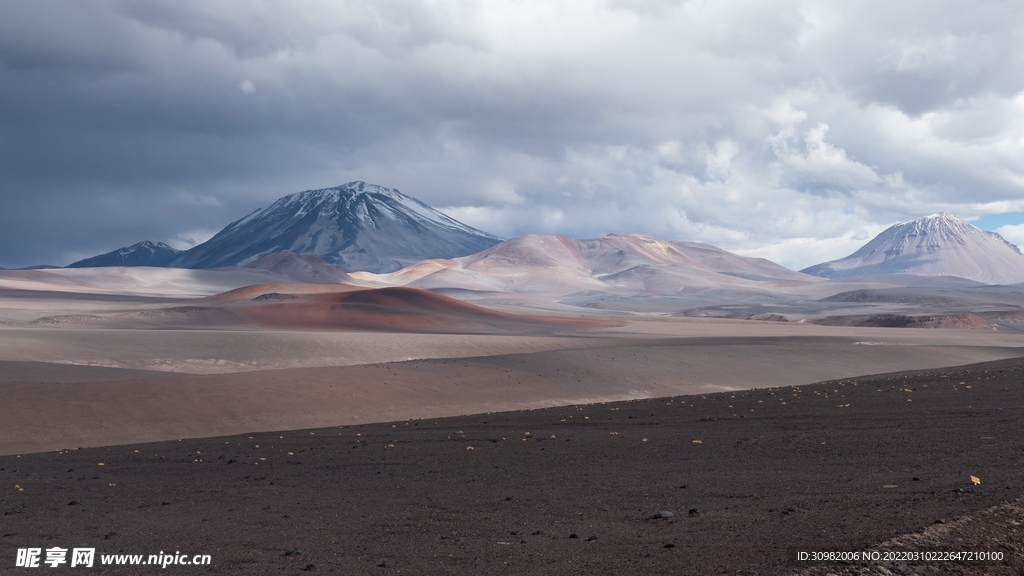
<point>789,127</point>
<point>1014,233</point>
<point>820,163</point>
<point>188,238</point>
<point>799,253</point>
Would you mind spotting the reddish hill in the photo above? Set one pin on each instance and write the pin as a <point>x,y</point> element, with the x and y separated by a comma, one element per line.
<point>247,293</point>
<point>398,310</point>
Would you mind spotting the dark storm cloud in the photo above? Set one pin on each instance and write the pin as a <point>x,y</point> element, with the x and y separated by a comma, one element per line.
<point>790,130</point>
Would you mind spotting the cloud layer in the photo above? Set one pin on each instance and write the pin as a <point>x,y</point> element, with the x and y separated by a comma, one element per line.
<point>789,130</point>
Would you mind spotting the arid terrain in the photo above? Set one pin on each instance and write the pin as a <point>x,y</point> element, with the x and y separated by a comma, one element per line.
<point>526,287</point>
<point>723,483</point>
<point>401,430</point>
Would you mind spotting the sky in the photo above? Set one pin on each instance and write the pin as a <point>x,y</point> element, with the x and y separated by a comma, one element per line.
<point>788,130</point>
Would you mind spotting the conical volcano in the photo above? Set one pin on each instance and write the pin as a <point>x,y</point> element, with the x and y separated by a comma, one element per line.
<point>355,226</point>
<point>936,245</point>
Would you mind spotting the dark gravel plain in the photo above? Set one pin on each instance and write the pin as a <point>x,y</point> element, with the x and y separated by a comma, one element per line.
<point>748,477</point>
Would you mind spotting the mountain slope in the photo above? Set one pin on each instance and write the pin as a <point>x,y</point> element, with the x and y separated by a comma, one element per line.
<point>936,245</point>
<point>300,268</point>
<point>355,226</point>
<point>144,253</point>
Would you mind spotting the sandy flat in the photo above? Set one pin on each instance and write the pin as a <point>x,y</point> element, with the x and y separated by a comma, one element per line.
<point>53,411</point>
<point>18,307</point>
<point>217,351</point>
<point>221,351</point>
<point>133,281</point>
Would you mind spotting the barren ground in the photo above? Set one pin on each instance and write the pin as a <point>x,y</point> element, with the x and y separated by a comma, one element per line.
<point>749,477</point>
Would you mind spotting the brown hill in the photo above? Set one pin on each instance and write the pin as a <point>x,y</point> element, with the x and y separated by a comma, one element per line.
<point>248,293</point>
<point>396,310</point>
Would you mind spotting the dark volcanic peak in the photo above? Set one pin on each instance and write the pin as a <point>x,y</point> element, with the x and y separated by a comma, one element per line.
<point>144,253</point>
<point>936,245</point>
<point>355,226</point>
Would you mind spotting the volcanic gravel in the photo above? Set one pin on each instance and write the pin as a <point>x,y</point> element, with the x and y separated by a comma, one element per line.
<point>729,483</point>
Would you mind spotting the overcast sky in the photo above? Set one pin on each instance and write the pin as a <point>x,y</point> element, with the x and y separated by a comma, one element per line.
<point>789,130</point>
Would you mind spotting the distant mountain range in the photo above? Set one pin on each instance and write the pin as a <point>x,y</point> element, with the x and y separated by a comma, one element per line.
<point>614,264</point>
<point>368,228</point>
<point>144,253</point>
<point>936,245</point>
<point>355,226</point>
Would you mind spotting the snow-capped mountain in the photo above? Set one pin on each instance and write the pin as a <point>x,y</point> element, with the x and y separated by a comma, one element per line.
<point>144,253</point>
<point>936,245</point>
<point>355,226</point>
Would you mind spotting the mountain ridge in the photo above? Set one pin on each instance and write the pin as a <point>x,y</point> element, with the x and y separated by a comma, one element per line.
<point>145,253</point>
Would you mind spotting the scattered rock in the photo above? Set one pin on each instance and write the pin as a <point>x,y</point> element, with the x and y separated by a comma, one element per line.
<point>694,512</point>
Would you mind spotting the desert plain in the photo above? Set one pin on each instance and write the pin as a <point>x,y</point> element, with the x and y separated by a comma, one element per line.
<point>298,428</point>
